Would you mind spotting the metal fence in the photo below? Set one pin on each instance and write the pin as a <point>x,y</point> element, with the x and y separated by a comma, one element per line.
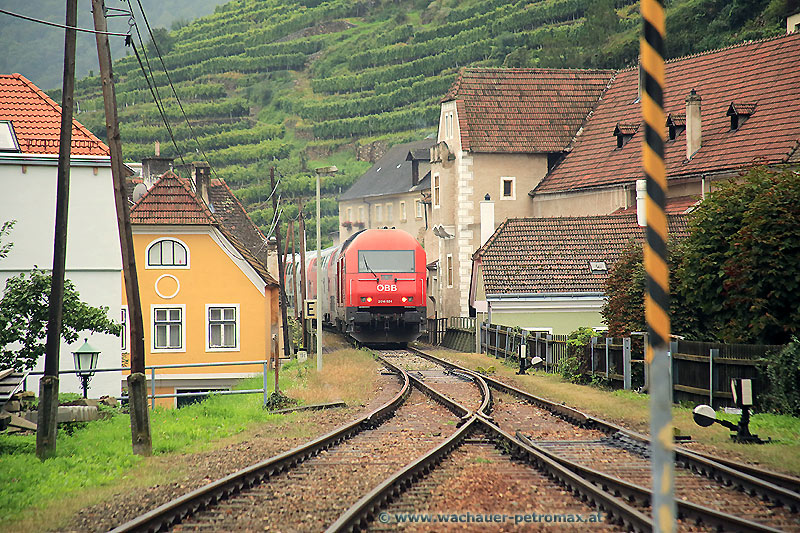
<point>153,368</point>
<point>700,371</point>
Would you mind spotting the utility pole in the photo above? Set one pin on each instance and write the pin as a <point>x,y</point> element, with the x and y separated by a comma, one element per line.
<point>294,269</point>
<point>137,381</point>
<point>48,386</point>
<point>303,285</point>
<point>281,281</point>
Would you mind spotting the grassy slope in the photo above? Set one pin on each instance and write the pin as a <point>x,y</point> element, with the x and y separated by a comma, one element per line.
<point>365,75</point>
<point>96,462</point>
<point>631,410</point>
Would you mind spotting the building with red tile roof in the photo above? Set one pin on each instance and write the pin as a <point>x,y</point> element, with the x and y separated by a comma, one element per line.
<point>749,101</point>
<point>548,274</point>
<point>206,292</point>
<point>500,131</point>
<point>30,124</point>
<point>36,119</point>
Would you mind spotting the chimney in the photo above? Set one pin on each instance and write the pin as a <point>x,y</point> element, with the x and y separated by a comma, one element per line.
<point>641,198</point>
<point>487,219</point>
<point>153,168</point>
<point>693,124</point>
<point>202,171</point>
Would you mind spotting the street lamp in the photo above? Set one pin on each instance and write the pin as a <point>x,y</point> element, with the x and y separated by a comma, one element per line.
<point>85,362</point>
<point>326,171</point>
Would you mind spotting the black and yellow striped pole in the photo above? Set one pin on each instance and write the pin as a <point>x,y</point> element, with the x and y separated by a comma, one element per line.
<point>656,267</point>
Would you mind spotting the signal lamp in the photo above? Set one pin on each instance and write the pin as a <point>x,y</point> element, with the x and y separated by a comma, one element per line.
<point>369,299</point>
<point>404,299</point>
<point>363,298</point>
<point>410,298</point>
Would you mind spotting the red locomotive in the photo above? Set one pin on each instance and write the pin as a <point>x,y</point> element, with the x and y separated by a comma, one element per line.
<point>374,287</point>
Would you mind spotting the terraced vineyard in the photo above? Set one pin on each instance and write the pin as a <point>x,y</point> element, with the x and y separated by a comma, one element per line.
<point>302,83</point>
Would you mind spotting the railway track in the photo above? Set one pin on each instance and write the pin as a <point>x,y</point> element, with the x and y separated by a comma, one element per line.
<point>463,445</point>
<point>618,460</point>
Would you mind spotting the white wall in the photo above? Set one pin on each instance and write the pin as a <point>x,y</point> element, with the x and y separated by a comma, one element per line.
<point>93,253</point>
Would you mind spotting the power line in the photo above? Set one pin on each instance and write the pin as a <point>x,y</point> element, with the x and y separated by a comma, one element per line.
<point>169,80</point>
<point>62,26</point>
<point>156,99</point>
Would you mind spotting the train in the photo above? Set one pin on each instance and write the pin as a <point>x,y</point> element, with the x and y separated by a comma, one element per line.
<point>373,286</point>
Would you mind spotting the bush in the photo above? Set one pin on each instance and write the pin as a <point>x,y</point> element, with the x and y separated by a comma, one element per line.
<point>783,381</point>
<point>571,370</point>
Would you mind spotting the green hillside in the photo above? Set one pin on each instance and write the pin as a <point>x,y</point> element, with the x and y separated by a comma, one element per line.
<point>301,84</point>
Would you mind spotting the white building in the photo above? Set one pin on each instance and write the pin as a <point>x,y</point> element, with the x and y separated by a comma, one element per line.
<point>29,142</point>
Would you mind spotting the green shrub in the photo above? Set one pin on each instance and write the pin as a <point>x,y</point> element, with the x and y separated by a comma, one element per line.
<point>783,381</point>
<point>571,370</point>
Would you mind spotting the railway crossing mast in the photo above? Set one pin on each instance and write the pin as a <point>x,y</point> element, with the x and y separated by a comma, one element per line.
<point>656,266</point>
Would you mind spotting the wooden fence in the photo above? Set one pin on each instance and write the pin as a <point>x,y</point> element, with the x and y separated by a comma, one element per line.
<point>700,371</point>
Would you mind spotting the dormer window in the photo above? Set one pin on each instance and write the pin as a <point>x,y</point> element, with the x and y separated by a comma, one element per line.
<point>598,267</point>
<point>676,124</point>
<point>739,112</point>
<point>8,138</point>
<point>624,133</point>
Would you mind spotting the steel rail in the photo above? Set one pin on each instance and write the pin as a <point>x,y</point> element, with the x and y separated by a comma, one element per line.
<point>171,513</point>
<point>630,517</point>
<point>358,516</point>
<point>755,481</point>
<point>643,495</point>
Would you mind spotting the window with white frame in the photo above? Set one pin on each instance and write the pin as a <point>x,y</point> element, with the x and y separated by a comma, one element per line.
<point>435,190</point>
<point>419,209</point>
<point>123,334</point>
<point>389,214</point>
<point>349,217</point>
<point>361,214</point>
<point>402,211</point>
<point>449,270</point>
<point>167,253</point>
<point>448,125</point>
<point>222,327</point>
<point>168,331</point>
<point>508,189</point>
<point>378,213</point>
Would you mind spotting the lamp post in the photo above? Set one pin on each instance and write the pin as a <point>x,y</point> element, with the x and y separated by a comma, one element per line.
<point>327,171</point>
<point>85,362</point>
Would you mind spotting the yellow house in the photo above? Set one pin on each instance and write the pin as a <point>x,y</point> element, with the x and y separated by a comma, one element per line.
<point>206,295</point>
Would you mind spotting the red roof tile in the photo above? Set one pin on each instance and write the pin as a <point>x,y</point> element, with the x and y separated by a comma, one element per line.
<point>764,73</point>
<point>552,255</point>
<point>524,110</point>
<point>37,120</point>
<point>171,201</point>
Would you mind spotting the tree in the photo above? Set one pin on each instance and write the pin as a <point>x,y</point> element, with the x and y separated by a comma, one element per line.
<point>162,39</point>
<point>623,310</point>
<point>5,229</point>
<point>741,270</point>
<point>23,318</point>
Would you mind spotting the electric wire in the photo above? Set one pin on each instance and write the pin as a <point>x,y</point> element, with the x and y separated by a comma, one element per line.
<point>62,26</point>
<point>158,104</point>
<point>169,80</point>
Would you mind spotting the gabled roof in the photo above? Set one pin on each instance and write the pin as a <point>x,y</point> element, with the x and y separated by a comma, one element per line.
<point>231,213</point>
<point>172,201</point>
<point>391,174</point>
<point>529,110</point>
<point>761,77</point>
<point>37,120</point>
<point>553,255</point>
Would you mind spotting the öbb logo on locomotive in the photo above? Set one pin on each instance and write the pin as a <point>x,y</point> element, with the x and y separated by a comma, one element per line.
<point>372,286</point>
